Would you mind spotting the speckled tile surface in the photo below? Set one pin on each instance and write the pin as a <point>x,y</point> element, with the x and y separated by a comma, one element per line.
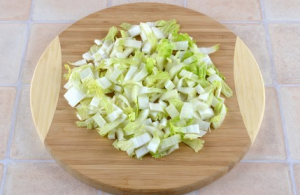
<point>174,2</point>
<point>41,35</point>
<point>7,100</point>
<point>12,48</point>
<point>15,10</point>
<point>270,28</point>
<point>43,179</point>
<point>58,10</point>
<point>250,178</point>
<point>269,144</point>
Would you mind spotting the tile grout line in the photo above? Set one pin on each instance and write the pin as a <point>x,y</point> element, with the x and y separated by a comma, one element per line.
<point>14,117</point>
<point>283,22</point>
<point>13,85</point>
<point>12,126</point>
<point>17,100</point>
<point>265,161</point>
<point>8,85</point>
<point>239,22</point>
<point>268,41</point>
<point>289,159</point>
<point>38,21</point>
<point>288,85</point>
<point>271,56</point>
<point>7,161</point>
<point>109,5</point>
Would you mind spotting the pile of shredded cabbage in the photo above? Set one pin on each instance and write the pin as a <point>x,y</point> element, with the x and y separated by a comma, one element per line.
<point>149,89</point>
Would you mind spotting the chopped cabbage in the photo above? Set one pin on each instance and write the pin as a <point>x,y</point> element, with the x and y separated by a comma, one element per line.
<point>148,89</point>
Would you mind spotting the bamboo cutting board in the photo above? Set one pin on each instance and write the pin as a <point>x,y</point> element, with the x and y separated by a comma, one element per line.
<point>93,160</point>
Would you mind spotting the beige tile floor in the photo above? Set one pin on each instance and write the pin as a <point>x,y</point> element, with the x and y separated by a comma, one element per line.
<point>270,28</point>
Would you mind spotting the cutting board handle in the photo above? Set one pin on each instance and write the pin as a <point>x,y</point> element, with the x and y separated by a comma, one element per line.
<point>45,87</point>
<point>249,87</point>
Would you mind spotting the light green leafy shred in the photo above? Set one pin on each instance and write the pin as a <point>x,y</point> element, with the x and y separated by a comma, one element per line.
<point>187,54</point>
<point>158,77</point>
<point>106,103</point>
<point>226,90</point>
<point>133,127</point>
<point>190,136</point>
<point>165,48</point>
<point>169,27</point>
<point>193,67</point>
<point>214,119</point>
<point>174,129</point>
<point>182,37</point>
<point>160,23</point>
<point>218,108</point>
<point>177,103</point>
<point>124,34</point>
<point>204,83</point>
<point>150,64</point>
<point>202,70</point>
<point>88,123</point>
<point>111,35</point>
<point>67,75</point>
<point>91,87</point>
<point>159,155</point>
<point>137,58</point>
<point>196,144</point>
<point>94,49</point>
<point>126,26</point>
<point>123,61</point>
<point>125,145</point>
<point>212,87</point>
<point>115,144</point>
<point>109,126</point>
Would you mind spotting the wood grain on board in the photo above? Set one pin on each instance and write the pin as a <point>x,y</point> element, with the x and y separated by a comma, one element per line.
<point>45,88</point>
<point>94,160</point>
<point>249,88</point>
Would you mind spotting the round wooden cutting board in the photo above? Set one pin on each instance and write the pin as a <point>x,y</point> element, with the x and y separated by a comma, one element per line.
<point>93,160</point>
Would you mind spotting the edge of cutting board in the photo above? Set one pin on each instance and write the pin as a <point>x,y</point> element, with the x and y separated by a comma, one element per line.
<point>45,92</point>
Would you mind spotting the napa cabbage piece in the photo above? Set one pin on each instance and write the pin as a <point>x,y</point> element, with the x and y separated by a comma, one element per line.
<point>149,88</point>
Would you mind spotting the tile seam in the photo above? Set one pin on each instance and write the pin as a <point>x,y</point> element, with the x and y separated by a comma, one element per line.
<point>17,100</point>
<point>265,161</point>
<point>14,116</point>
<point>289,159</point>
<point>239,22</point>
<point>271,56</point>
